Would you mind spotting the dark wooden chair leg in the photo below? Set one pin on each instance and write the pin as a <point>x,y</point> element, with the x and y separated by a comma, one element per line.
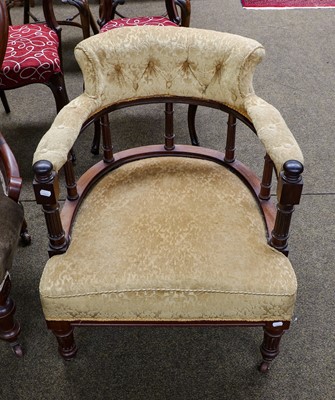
<point>96,138</point>
<point>57,86</point>
<point>192,110</point>
<point>4,101</point>
<point>9,327</point>
<point>24,234</point>
<point>64,334</point>
<point>270,345</point>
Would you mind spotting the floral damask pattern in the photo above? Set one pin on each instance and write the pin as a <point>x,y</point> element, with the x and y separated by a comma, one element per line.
<point>140,21</point>
<point>31,55</point>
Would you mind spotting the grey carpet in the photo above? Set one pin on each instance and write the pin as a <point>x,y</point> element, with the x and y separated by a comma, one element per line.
<point>297,76</point>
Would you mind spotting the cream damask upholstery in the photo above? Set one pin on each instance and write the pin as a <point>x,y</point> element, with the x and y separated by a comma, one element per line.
<point>165,238</point>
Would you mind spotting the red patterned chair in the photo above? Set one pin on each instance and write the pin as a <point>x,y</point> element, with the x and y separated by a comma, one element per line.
<point>32,55</point>
<point>171,17</point>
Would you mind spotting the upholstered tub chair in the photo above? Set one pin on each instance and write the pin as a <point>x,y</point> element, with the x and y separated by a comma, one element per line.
<point>169,234</point>
<point>31,54</point>
<point>12,225</point>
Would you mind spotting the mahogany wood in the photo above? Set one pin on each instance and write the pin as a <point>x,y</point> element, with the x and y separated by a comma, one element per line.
<point>231,137</point>
<point>9,327</point>
<point>265,192</point>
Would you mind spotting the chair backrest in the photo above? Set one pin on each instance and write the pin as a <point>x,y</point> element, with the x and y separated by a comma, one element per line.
<point>4,24</point>
<point>147,62</point>
<point>10,175</point>
<point>178,11</point>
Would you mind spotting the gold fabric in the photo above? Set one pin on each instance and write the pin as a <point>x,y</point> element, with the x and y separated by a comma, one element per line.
<point>148,61</point>
<point>169,239</point>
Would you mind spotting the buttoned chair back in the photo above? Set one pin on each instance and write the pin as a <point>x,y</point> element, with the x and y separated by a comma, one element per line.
<point>170,233</point>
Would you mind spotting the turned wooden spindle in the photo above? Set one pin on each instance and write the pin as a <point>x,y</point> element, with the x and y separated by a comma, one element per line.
<point>265,192</point>
<point>230,142</point>
<point>169,135</point>
<point>108,155</point>
<point>70,180</point>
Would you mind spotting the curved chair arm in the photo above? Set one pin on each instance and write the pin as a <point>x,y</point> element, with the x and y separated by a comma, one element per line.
<point>10,171</point>
<point>273,132</point>
<point>189,63</point>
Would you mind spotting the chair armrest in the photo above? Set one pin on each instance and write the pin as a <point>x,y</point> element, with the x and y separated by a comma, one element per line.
<point>57,142</point>
<point>9,171</point>
<point>273,132</point>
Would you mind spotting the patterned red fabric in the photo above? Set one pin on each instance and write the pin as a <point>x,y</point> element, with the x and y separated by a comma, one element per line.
<point>121,22</point>
<point>31,56</point>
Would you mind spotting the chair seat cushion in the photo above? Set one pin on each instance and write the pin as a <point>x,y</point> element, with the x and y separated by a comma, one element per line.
<point>11,218</point>
<point>31,56</point>
<point>139,21</point>
<point>169,238</point>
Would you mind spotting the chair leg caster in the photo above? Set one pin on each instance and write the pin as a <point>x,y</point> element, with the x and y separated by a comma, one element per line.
<point>264,367</point>
<point>17,350</point>
<point>25,238</point>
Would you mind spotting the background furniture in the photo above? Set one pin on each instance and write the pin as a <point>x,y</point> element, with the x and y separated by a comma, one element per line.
<point>169,234</point>
<point>31,53</point>
<point>87,20</point>
<point>177,12</point>
<point>12,224</point>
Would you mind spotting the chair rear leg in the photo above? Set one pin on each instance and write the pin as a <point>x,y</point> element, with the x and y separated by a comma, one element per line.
<point>24,234</point>
<point>192,110</point>
<point>4,101</point>
<point>96,138</point>
<point>270,345</point>
<point>64,334</point>
<point>9,327</point>
<point>57,86</point>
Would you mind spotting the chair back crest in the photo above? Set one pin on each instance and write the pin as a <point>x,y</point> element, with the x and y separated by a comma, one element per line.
<point>4,24</point>
<point>124,64</point>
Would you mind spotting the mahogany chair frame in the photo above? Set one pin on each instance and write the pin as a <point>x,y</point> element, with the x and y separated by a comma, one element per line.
<point>9,326</point>
<point>277,219</point>
<point>57,82</point>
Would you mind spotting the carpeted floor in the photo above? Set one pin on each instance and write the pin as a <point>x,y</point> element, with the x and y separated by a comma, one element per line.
<point>297,76</point>
<point>265,4</point>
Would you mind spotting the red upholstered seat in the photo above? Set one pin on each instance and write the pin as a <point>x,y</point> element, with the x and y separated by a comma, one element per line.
<point>137,21</point>
<point>31,56</point>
